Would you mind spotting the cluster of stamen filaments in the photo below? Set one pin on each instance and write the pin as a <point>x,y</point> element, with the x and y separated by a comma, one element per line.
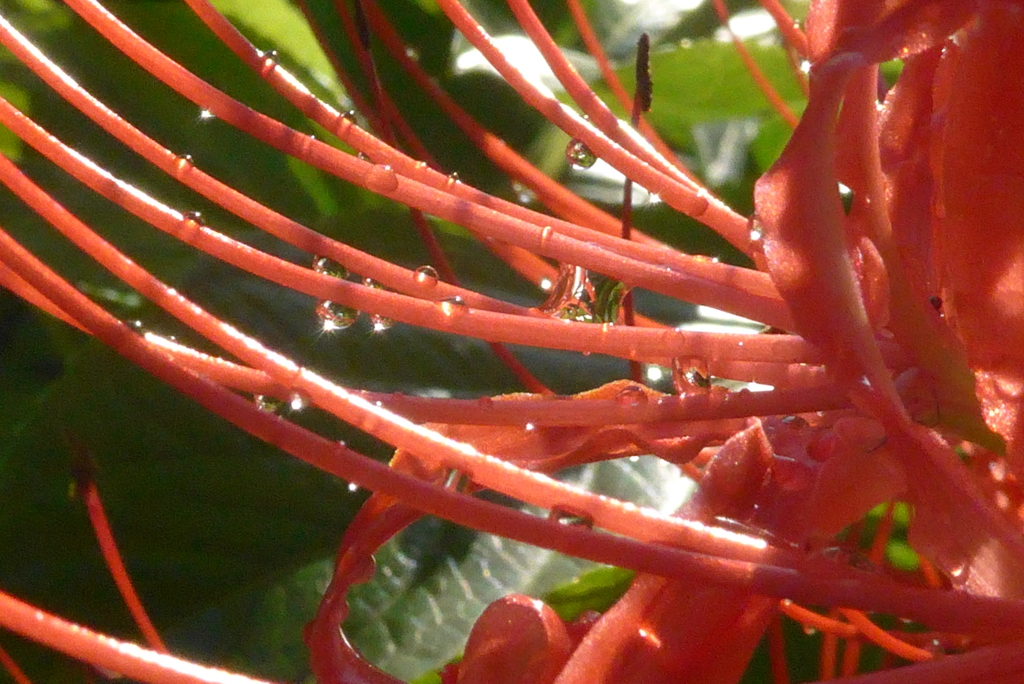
<point>574,318</point>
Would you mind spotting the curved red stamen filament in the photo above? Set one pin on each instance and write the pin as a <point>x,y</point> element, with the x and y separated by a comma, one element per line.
<point>112,557</point>
<point>615,84</point>
<point>945,610</point>
<point>763,84</point>
<point>107,652</point>
<point>17,674</point>
<point>549,240</point>
<point>537,330</point>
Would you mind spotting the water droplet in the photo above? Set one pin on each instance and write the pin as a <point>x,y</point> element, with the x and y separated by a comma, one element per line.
<point>523,193</point>
<point>689,374</point>
<point>565,516</point>
<point>756,230</point>
<point>567,286</point>
<point>325,266</point>
<point>206,115</point>
<point>452,305</point>
<point>453,178</point>
<point>267,404</point>
<point>381,178</point>
<point>579,155</point>
<point>334,316</point>
<point>378,322</point>
<point>572,296</point>
<point>606,294</point>
<point>343,121</point>
<point>810,631</point>
<point>412,53</point>
<point>997,469</point>
<point>457,480</point>
<point>297,402</point>
<point>183,162</point>
<point>575,312</point>
<point>269,62</point>
<point>353,487</point>
<point>631,395</point>
<point>530,427</point>
<point>193,216</point>
<point>795,422</point>
<point>545,237</point>
<point>381,323</point>
<point>426,276</point>
<point>654,373</point>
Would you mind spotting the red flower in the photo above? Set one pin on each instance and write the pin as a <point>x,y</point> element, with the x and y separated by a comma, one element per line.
<point>891,312</point>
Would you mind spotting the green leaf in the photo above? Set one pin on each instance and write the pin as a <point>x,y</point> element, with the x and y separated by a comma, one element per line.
<point>281,26</point>
<point>11,146</point>
<point>251,512</point>
<point>596,590</point>
<point>435,579</point>
<point>705,80</point>
<point>770,141</point>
